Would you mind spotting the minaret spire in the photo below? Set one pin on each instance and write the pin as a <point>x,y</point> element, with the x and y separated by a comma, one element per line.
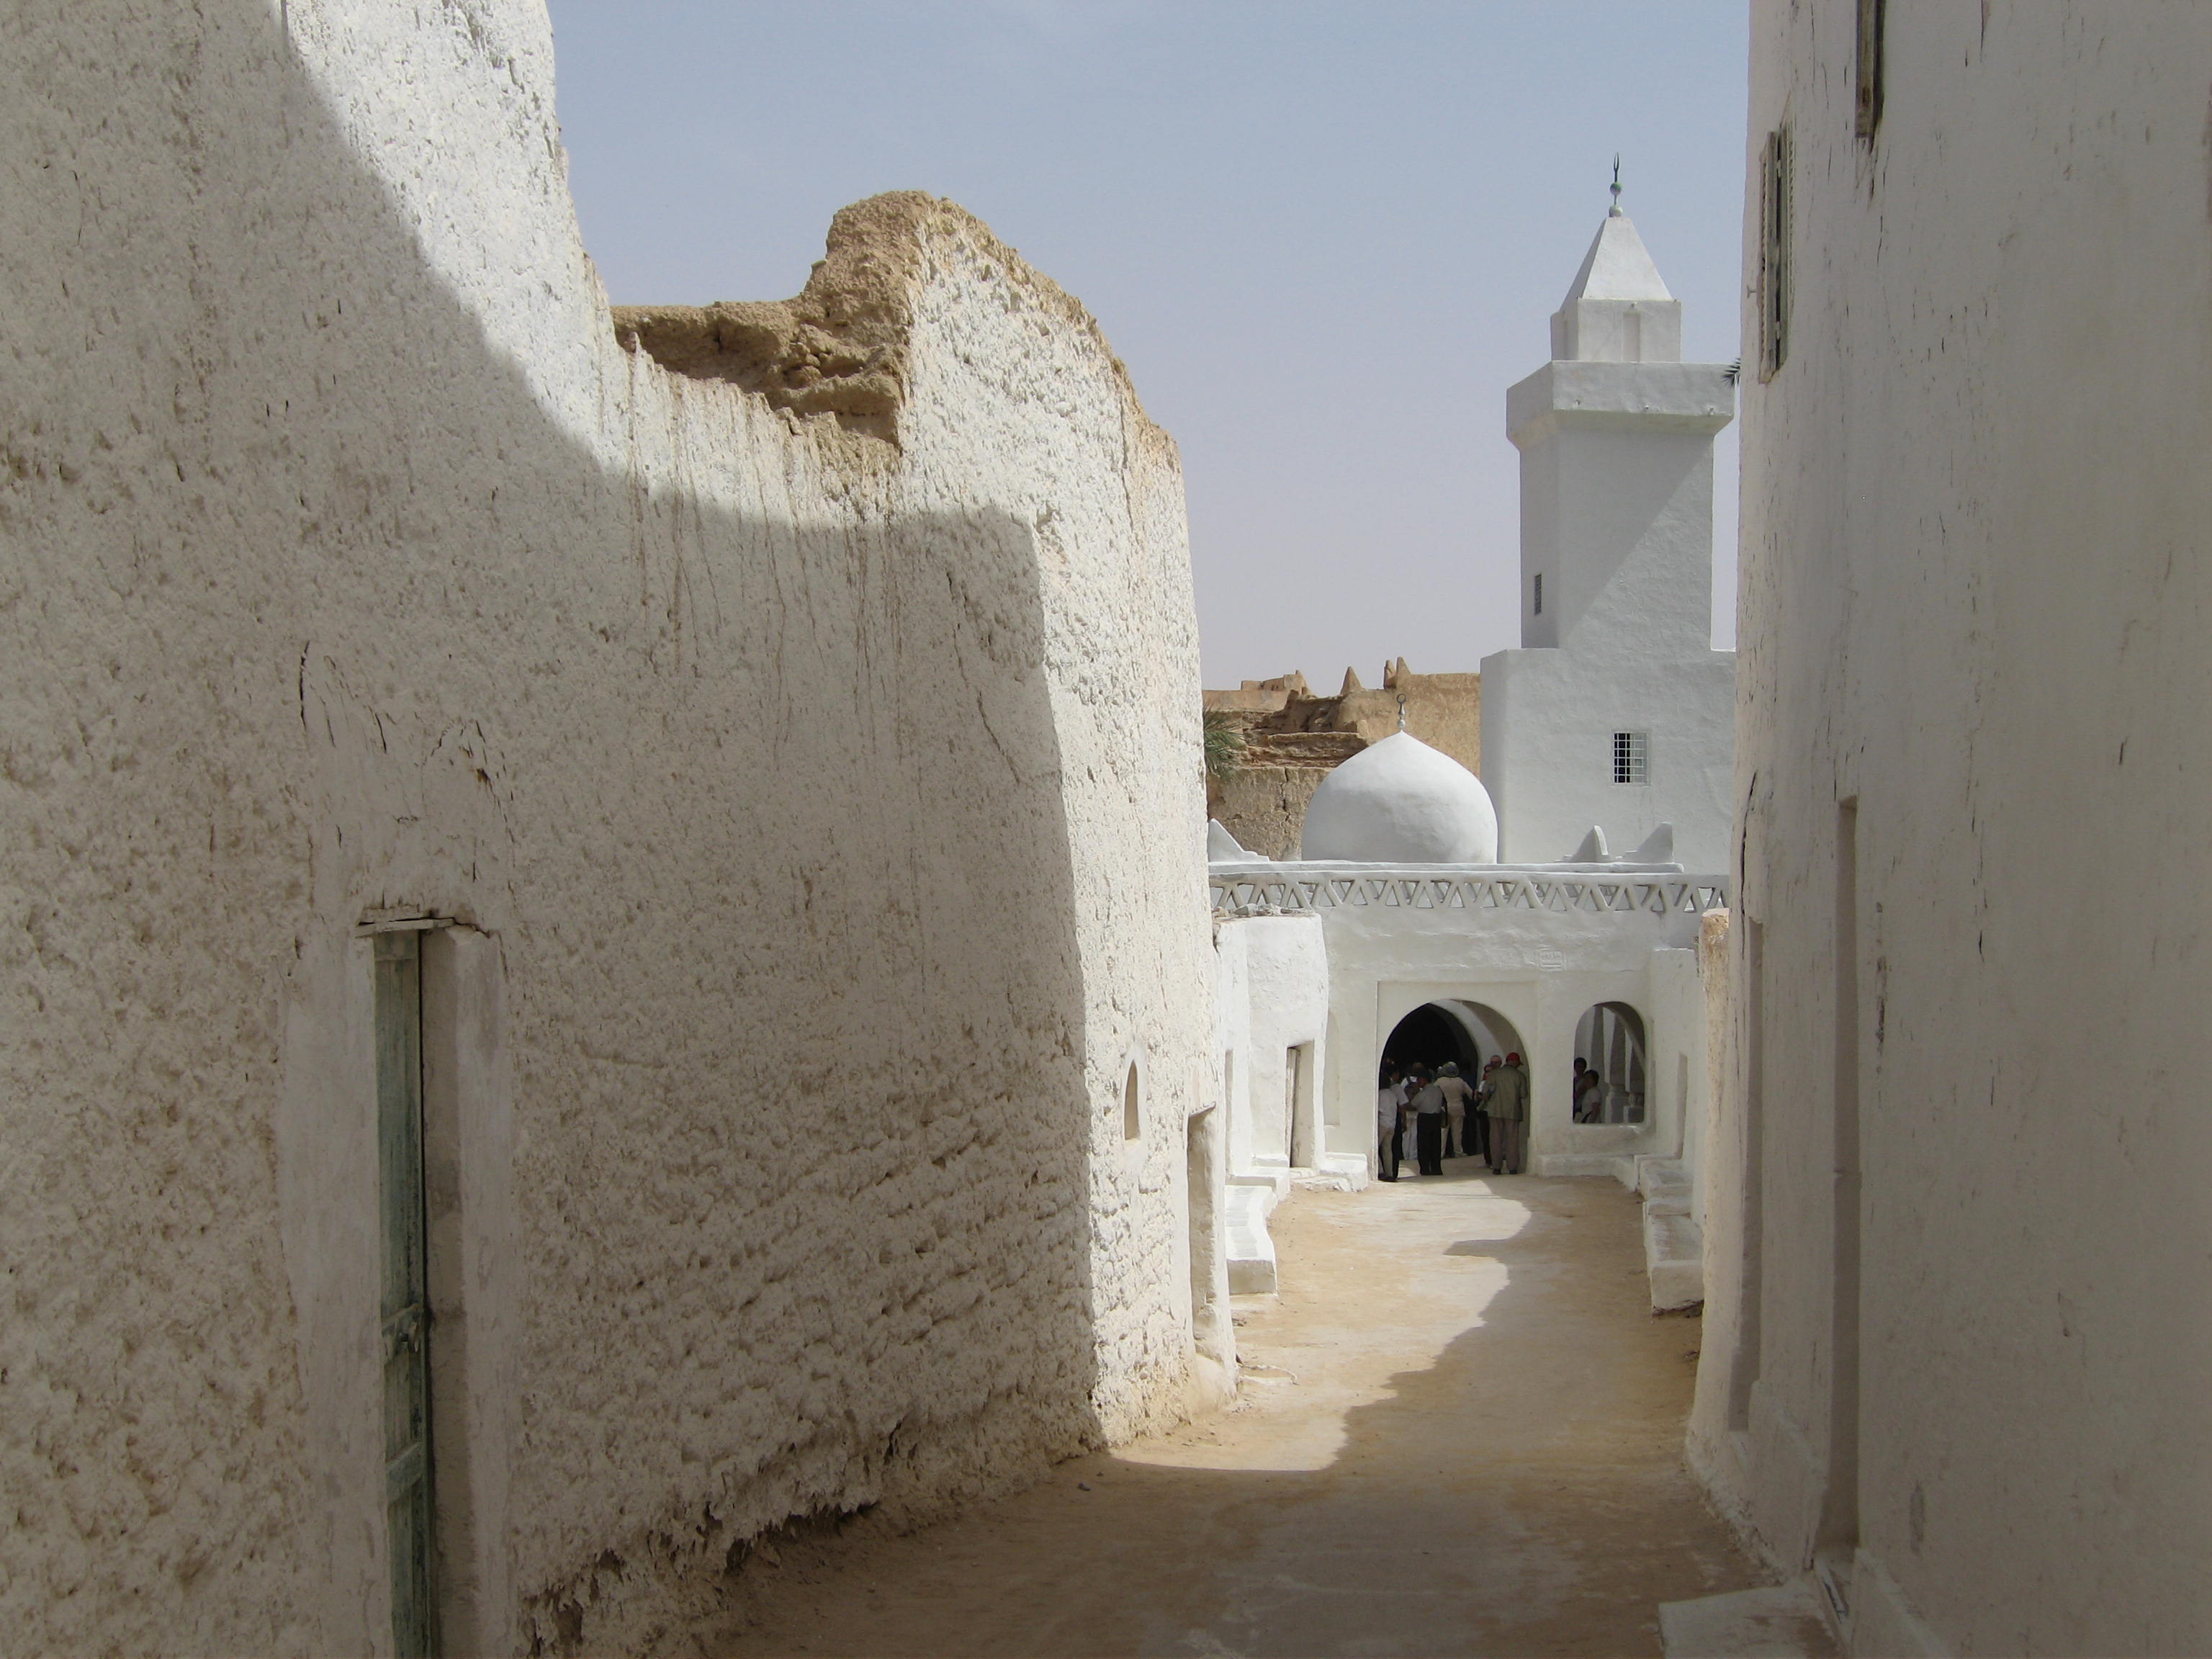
<point>1619,309</point>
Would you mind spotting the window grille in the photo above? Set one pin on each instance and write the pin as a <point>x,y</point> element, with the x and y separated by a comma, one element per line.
<point>1540,592</point>
<point>1631,757</point>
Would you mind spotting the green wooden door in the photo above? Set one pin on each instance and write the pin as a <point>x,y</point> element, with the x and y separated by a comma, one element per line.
<point>406,1302</point>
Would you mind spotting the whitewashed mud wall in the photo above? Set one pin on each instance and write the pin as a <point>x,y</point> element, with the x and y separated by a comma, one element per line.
<point>1975,588</point>
<point>816,788</point>
<point>1274,999</point>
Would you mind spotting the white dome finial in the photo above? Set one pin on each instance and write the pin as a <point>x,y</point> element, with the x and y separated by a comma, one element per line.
<point>1613,212</point>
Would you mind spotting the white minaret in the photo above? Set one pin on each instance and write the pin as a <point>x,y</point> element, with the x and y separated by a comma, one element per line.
<point>1616,712</point>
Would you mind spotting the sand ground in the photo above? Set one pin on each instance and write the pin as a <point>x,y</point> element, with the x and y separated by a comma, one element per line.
<point>1460,1433</point>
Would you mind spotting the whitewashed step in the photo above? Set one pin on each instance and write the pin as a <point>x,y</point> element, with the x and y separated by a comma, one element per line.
<point>1665,1185</point>
<point>1275,1182</point>
<point>1577,1165</point>
<point>1338,1172</point>
<point>1251,1251</point>
<point>1674,1258</point>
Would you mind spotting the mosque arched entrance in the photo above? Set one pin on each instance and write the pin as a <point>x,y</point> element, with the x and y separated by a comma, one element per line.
<point>1469,1035</point>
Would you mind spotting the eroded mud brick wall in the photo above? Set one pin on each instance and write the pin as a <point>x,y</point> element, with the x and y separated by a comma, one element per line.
<point>813,776</point>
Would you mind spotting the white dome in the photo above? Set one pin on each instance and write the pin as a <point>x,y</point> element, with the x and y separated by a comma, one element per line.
<point>1400,801</point>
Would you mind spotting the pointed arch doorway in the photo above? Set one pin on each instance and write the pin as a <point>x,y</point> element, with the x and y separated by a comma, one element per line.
<point>1466,1033</point>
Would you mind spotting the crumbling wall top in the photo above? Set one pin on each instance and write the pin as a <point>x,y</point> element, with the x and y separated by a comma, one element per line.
<point>840,346</point>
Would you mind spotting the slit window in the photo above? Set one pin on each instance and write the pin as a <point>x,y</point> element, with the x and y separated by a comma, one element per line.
<point>1868,78</point>
<point>1775,277</point>
<point>1540,593</point>
<point>1631,757</point>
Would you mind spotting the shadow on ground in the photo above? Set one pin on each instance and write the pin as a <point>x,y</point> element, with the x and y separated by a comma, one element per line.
<point>1460,1434</point>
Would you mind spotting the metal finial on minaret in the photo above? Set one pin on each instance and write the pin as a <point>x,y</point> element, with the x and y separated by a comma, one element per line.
<point>1613,212</point>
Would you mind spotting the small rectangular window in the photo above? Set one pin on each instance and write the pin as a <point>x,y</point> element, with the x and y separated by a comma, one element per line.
<point>1540,592</point>
<point>1631,757</point>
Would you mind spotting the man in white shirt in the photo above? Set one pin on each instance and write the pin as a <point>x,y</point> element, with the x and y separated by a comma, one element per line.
<point>1389,1101</point>
<point>1429,1119</point>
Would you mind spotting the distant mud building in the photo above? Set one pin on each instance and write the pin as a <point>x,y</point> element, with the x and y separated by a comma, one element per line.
<point>1273,741</point>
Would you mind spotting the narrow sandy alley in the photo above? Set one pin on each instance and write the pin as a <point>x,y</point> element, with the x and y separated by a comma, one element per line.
<point>1460,1434</point>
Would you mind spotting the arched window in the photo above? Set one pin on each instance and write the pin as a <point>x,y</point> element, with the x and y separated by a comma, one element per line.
<point>1133,1121</point>
<point>1610,1083</point>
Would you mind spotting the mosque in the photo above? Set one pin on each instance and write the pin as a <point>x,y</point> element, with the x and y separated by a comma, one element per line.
<point>1430,913</point>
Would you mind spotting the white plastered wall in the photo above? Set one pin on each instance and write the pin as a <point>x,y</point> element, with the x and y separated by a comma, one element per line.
<point>1616,517</point>
<point>1541,970</point>
<point>1973,586</point>
<point>1280,975</point>
<point>823,818</point>
<point>1548,723</point>
<point>1675,1057</point>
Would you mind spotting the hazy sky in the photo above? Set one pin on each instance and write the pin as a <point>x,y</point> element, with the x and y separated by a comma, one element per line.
<point>1325,237</point>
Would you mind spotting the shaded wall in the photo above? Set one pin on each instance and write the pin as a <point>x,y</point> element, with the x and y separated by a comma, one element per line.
<point>819,800</point>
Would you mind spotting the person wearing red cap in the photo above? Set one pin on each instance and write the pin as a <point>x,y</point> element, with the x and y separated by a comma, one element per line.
<point>1509,1117</point>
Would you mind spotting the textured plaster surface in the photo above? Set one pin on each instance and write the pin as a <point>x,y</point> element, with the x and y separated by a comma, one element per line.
<point>1974,599</point>
<point>819,786</point>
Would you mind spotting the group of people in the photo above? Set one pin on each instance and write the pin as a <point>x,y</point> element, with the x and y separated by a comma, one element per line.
<point>1488,1120</point>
